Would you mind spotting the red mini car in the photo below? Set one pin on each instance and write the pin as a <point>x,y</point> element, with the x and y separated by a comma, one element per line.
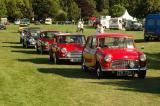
<point>114,53</point>
<point>46,38</point>
<point>68,47</point>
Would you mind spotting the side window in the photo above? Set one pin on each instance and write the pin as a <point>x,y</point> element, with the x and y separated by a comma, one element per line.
<point>94,43</point>
<point>88,44</point>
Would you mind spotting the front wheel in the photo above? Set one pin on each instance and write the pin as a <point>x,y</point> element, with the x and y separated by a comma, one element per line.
<point>146,38</point>
<point>41,50</point>
<point>98,71</point>
<point>142,74</point>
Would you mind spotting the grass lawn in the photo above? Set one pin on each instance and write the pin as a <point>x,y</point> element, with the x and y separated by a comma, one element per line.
<point>28,78</point>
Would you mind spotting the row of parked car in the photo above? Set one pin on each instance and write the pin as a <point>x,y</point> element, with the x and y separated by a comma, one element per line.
<point>103,53</point>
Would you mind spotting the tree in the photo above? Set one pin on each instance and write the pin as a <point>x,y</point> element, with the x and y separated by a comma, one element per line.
<point>45,8</point>
<point>88,7</point>
<point>102,6</point>
<point>13,8</point>
<point>73,11</point>
<point>3,9</point>
<point>117,10</point>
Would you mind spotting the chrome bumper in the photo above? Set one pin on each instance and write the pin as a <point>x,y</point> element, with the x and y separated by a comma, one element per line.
<point>137,69</point>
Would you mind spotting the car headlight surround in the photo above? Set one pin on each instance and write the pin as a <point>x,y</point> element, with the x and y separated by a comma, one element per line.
<point>143,57</point>
<point>64,50</point>
<point>108,58</point>
<point>31,40</point>
<point>46,44</point>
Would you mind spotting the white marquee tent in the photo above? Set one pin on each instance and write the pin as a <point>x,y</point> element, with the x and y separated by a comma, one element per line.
<point>126,16</point>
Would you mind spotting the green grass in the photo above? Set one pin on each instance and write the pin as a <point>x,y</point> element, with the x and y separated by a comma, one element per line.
<point>27,78</point>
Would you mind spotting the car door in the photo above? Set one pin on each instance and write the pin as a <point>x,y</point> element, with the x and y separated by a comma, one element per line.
<point>89,52</point>
<point>86,51</point>
<point>92,52</point>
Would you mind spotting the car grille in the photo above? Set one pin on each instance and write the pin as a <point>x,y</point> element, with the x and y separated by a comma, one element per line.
<point>75,54</point>
<point>124,64</point>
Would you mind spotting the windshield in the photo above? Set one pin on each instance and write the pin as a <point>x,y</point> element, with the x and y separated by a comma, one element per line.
<point>34,32</point>
<point>72,39</point>
<point>48,35</point>
<point>115,42</point>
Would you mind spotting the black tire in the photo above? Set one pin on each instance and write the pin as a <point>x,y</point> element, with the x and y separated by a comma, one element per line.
<point>142,74</point>
<point>20,40</point>
<point>84,67</point>
<point>41,50</point>
<point>23,44</point>
<point>36,47</point>
<point>98,71</point>
<point>26,46</point>
<point>146,38</point>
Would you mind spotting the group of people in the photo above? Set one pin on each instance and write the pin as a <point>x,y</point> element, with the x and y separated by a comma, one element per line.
<point>80,27</point>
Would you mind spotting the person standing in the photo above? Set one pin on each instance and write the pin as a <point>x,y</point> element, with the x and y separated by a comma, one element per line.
<point>81,27</point>
<point>101,29</point>
<point>78,26</point>
<point>98,29</point>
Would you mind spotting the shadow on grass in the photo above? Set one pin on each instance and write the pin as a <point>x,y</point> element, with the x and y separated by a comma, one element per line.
<point>139,40</point>
<point>79,73</point>
<point>25,51</point>
<point>18,47</point>
<point>46,61</point>
<point>153,61</point>
<point>12,42</point>
<point>147,85</point>
<point>36,60</point>
<point>143,41</point>
<point>68,72</point>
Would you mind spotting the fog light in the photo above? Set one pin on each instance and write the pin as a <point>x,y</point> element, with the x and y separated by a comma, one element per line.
<point>131,64</point>
<point>68,55</point>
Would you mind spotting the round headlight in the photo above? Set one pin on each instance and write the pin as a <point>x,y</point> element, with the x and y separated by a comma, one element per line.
<point>64,50</point>
<point>46,43</point>
<point>107,58</point>
<point>143,57</point>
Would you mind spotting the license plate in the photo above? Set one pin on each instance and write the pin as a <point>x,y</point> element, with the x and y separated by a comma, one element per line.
<point>75,60</point>
<point>124,73</point>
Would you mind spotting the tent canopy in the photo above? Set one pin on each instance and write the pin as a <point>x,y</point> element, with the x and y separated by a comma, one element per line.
<point>92,18</point>
<point>126,16</point>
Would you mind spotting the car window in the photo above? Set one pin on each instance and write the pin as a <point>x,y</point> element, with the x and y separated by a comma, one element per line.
<point>72,39</point>
<point>94,43</point>
<point>88,43</point>
<point>116,42</point>
<point>48,35</point>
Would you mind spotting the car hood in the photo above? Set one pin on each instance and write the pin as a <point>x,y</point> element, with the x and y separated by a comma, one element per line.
<point>72,47</point>
<point>121,53</point>
<point>48,40</point>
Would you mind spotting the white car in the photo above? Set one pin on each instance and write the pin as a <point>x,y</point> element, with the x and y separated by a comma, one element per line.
<point>48,21</point>
<point>17,22</point>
